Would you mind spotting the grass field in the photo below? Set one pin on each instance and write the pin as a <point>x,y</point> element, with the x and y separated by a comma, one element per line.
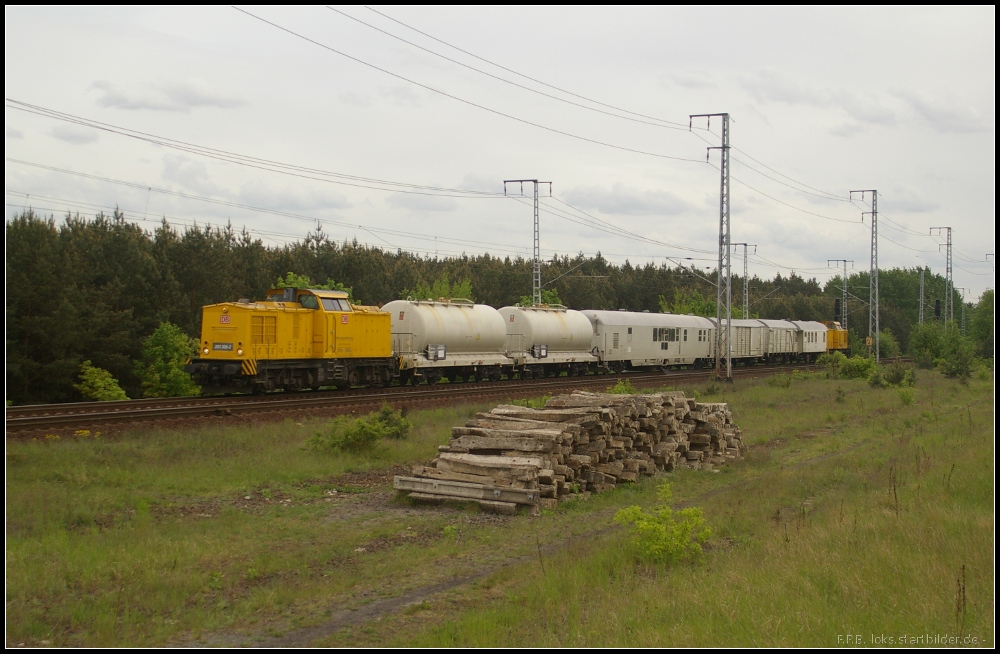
<point>859,514</point>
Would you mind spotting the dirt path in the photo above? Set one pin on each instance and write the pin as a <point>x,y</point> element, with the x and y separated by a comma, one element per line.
<point>389,606</point>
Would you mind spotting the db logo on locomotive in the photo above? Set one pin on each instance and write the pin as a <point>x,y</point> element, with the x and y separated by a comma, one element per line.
<point>224,319</point>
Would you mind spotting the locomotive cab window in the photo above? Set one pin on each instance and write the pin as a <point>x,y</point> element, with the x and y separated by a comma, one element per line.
<point>333,304</point>
<point>308,302</point>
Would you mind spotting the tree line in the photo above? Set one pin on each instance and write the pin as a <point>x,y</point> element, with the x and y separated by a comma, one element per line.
<point>97,289</point>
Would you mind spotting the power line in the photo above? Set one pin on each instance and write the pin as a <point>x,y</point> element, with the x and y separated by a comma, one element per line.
<point>507,81</point>
<point>463,100</point>
<point>510,70</point>
<point>293,170</point>
<point>822,194</point>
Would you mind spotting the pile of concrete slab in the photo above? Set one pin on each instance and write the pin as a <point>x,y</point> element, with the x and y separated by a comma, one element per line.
<point>576,445</point>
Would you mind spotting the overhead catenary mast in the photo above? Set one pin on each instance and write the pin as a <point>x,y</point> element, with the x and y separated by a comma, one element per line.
<point>746,278</point>
<point>843,303</point>
<point>949,281</point>
<point>873,326</point>
<point>536,272</point>
<point>724,296</point>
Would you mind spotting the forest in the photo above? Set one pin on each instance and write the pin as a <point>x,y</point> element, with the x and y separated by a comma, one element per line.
<point>95,290</point>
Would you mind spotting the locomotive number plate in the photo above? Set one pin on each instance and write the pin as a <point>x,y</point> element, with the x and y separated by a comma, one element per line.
<point>225,347</point>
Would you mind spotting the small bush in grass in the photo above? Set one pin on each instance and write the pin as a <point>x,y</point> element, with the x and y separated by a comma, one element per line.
<point>857,367</point>
<point>361,434</point>
<point>623,387</point>
<point>663,535</point>
<point>906,395</point>
<point>780,381</point>
<point>896,375</point>
<point>532,402</point>
<point>833,362</point>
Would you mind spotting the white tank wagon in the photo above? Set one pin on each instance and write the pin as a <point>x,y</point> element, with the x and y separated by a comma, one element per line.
<point>457,339</point>
<point>547,340</point>
<point>811,340</point>
<point>782,340</point>
<point>624,339</point>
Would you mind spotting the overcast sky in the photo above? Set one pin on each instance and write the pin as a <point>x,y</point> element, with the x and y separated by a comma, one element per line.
<point>823,101</point>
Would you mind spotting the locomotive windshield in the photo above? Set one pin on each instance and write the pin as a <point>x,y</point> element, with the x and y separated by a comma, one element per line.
<point>308,302</point>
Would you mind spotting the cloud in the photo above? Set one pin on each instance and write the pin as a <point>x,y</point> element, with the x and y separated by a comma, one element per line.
<point>12,133</point>
<point>847,129</point>
<point>907,201</point>
<point>192,175</point>
<point>628,201</point>
<point>478,182</point>
<point>176,96</point>
<point>769,85</point>
<point>944,114</point>
<point>74,135</point>
<point>690,79</point>
<point>356,99</point>
<point>286,199</point>
<point>402,95</point>
<point>422,202</point>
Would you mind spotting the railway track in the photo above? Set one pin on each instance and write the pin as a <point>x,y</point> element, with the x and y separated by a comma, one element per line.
<point>89,414</point>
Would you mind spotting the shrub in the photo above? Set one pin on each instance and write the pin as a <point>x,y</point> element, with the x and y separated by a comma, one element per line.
<point>900,374</point>
<point>833,361</point>
<point>857,367</point>
<point>162,367</point>
<point>895,375</point>
<point>959,356</point>
<point>623,387</point>
<point>664,536</point>
<point>98,384</point>
<point>361,434</point>
<point>906,395</point>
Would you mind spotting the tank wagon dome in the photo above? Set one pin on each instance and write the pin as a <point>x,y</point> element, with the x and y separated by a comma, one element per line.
<point>460,325</point>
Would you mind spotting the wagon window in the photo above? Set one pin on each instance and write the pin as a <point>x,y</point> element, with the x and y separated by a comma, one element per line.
<point>685,335</point>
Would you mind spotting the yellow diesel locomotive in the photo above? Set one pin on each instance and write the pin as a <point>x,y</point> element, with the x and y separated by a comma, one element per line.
<point>295,338</point>
<point>836,338</point>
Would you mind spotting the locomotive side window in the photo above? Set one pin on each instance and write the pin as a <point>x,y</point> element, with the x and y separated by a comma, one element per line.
<point>308,302</point>
<point>333,304</point>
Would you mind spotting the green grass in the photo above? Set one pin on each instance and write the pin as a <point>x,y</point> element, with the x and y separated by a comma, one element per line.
<point>846,518</point>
